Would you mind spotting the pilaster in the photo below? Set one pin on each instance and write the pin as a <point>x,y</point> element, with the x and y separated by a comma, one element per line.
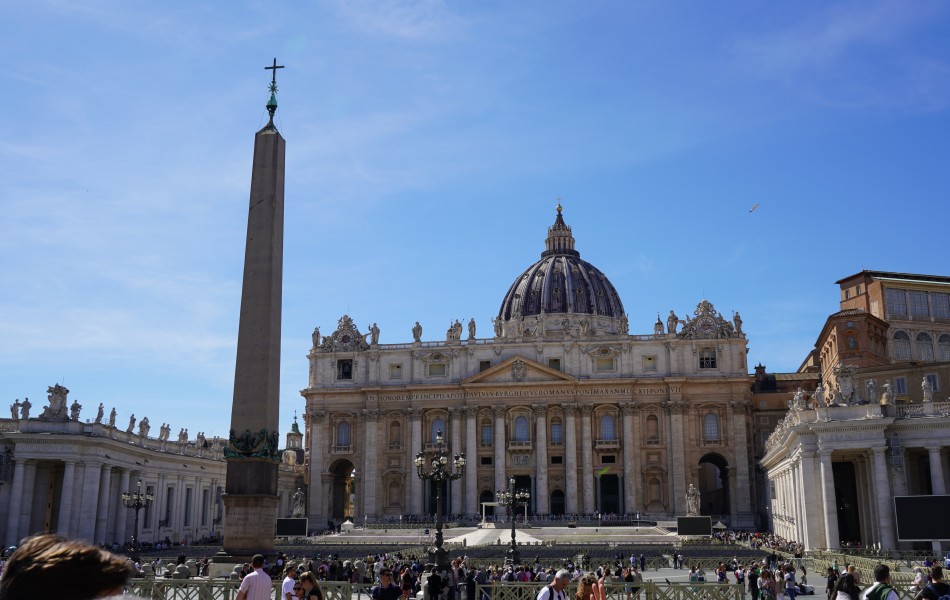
<point>501,482</point>
<point>587,460</point>
<point>830,508</point>
<point>66,500</point>
<point>471,471</point>
<point>882,486</point>
<point>542,495</point>
<point>570,457</point>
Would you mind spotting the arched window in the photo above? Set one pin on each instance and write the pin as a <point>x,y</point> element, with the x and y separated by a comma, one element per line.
<point>925,346</point>
<point>521,429</point>
<point>607,429</point>
<point>437,426</point>
<point>557,432</point>
<point>711,428</point>
<point>395,434</point>
<point>901,345</point>
<point>343,434</point>
<point>653,430</point>
<point>944,344</point>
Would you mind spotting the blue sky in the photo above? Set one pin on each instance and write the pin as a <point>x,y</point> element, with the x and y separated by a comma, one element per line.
<point>427,143</point>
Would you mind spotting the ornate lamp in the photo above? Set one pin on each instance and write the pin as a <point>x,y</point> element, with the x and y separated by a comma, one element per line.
<point>439,473</point>
<point>513,500</point>
<point>136,500</point>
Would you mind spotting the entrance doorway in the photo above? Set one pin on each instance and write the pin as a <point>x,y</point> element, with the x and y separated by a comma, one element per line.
<point>609,494</point>
<point>713,485</point>
<point>339,501</point>
<point>557,502</point>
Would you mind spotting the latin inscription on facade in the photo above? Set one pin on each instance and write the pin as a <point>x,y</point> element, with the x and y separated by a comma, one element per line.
<point>545,393</point>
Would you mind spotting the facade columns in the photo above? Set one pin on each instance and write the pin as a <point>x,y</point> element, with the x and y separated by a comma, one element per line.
<point>630,456</point>
<point>89,505</point>
<point>16,502</point>
<point>370,453</point>
<point>471,471</point>
<point>937,485</point>
<point>587,467</point>
<point>102,511</point>
<point>66,500</point>
<point>809,485</point>
<point>541,494</point>
<point>455,443</point>
<point>828,499</point>
<point>501,482</point>
<point>678,456</point>
<point>415,443</point>
<point>882,486</point>
<point>570,458</point>
<point>120,516</point>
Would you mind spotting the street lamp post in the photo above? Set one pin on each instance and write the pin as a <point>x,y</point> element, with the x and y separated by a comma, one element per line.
<point>513,500</point>
<point>136,500</point>
<point>439,474</point>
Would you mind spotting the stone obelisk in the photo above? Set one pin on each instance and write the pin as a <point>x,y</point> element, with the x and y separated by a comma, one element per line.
<point>250,494</point>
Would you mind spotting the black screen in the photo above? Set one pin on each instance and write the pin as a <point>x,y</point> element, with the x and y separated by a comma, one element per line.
<point>922,518</point>
<point>288,527</point>
<point>694,525</point>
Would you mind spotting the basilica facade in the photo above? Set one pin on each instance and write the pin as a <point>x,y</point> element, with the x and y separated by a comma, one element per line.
<point>587,416</point>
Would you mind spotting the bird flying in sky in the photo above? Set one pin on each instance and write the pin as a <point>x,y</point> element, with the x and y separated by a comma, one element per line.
<point>754,206</point>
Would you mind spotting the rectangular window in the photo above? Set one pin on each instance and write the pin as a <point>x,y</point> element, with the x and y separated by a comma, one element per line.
<point>932,378</point>
<point>437,370</point>
<point>557,460</point>
<point>484,365</point>
<point>147,523</point>
<point>608,459</point>
<point>941,305</point>
<point>205,498</point>
<point>486,461</point>
<point>604,364</point>
<point>169,505</point>
<point>486,435</point>
<point>344,369</point>
<point>187,521</point>
<point>554,363</point>
<point>918,304</point>
<point>557,434</point>
<point>900,385</point>
<point>896,302</point>
<point>707,358</point>
<point>649,363</point>
<point>847,294</point>
<point>395,371</point>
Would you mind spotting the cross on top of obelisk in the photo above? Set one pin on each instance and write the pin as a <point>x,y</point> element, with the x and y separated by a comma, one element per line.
<point>272,103</point>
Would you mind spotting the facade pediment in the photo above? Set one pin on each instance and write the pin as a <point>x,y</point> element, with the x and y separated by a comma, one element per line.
<point>519,369</point>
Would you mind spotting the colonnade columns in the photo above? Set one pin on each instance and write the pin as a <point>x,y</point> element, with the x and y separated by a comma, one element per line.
<point>89,505</point>
<point>677,410</point>
<point>120,516</point>
<point>102,511</point>
<point>415,445</point>
<point>66,500</point>
<point>867,502</point>
<point>630,454</point>
<point>541,496</point>
<point>16,500</point>
<point>570,458</point>
<point>810,526</point>
<point>828,499</point>
<point>938,487</point>
<point>455,440</point>
<point>742,501</point>
<point>318,448</point>
<point>161,497</point>
<point>501,482</point>
<point>471,471</point>
<point>884,507</point>
<point>587,468</point>
<point>370,453</point>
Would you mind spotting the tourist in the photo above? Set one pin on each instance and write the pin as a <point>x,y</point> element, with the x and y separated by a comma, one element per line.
<point>287,587</point>
<point>789,579</point>
<point>832,580</point>
<point>407,582</point>
<point>766,585</point>
<point>936,589</point>
<point>386,590</point>
<point>48,566</point>
<point>846,588</point>
<point>881,590</point>
<point>311,588</point>
<point>556,590</point>
<point>257,584</point>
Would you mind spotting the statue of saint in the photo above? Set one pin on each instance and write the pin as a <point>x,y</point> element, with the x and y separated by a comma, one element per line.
<point>692,501</point>
<point>417,332</point>
<point>316,336</point>
<point>928,390</point>
<point>373,334</point>
<point>585,326</point>
<point>15,410</point>
<point>499,330</point>
<point>737,321</point>
<point>200,438</point>
<point>131,424</point>
<point>871,387</point>
<point>112,418</point>
<point>57,404</point>
<point>25,409</point>
<point>299,509</point>
<point>887,396</point>
<point>819,397</point>
<point>798,401</point>
<point>671,322</point>
<point>144,427</point>
<point>74,410</point>
<point>99,413</point>
<point>624,324</point>
<point>658,326</point>
<point>471,328</point>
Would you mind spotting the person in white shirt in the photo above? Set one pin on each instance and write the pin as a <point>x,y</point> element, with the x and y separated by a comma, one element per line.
<point>557,589</point>
<point>881,590</point>
<point>287,587</point>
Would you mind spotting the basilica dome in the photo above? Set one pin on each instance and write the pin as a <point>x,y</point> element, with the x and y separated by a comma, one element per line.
<point>561,283</point>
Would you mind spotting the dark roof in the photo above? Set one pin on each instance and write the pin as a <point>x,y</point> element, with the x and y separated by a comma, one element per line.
<point>891,275</point>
